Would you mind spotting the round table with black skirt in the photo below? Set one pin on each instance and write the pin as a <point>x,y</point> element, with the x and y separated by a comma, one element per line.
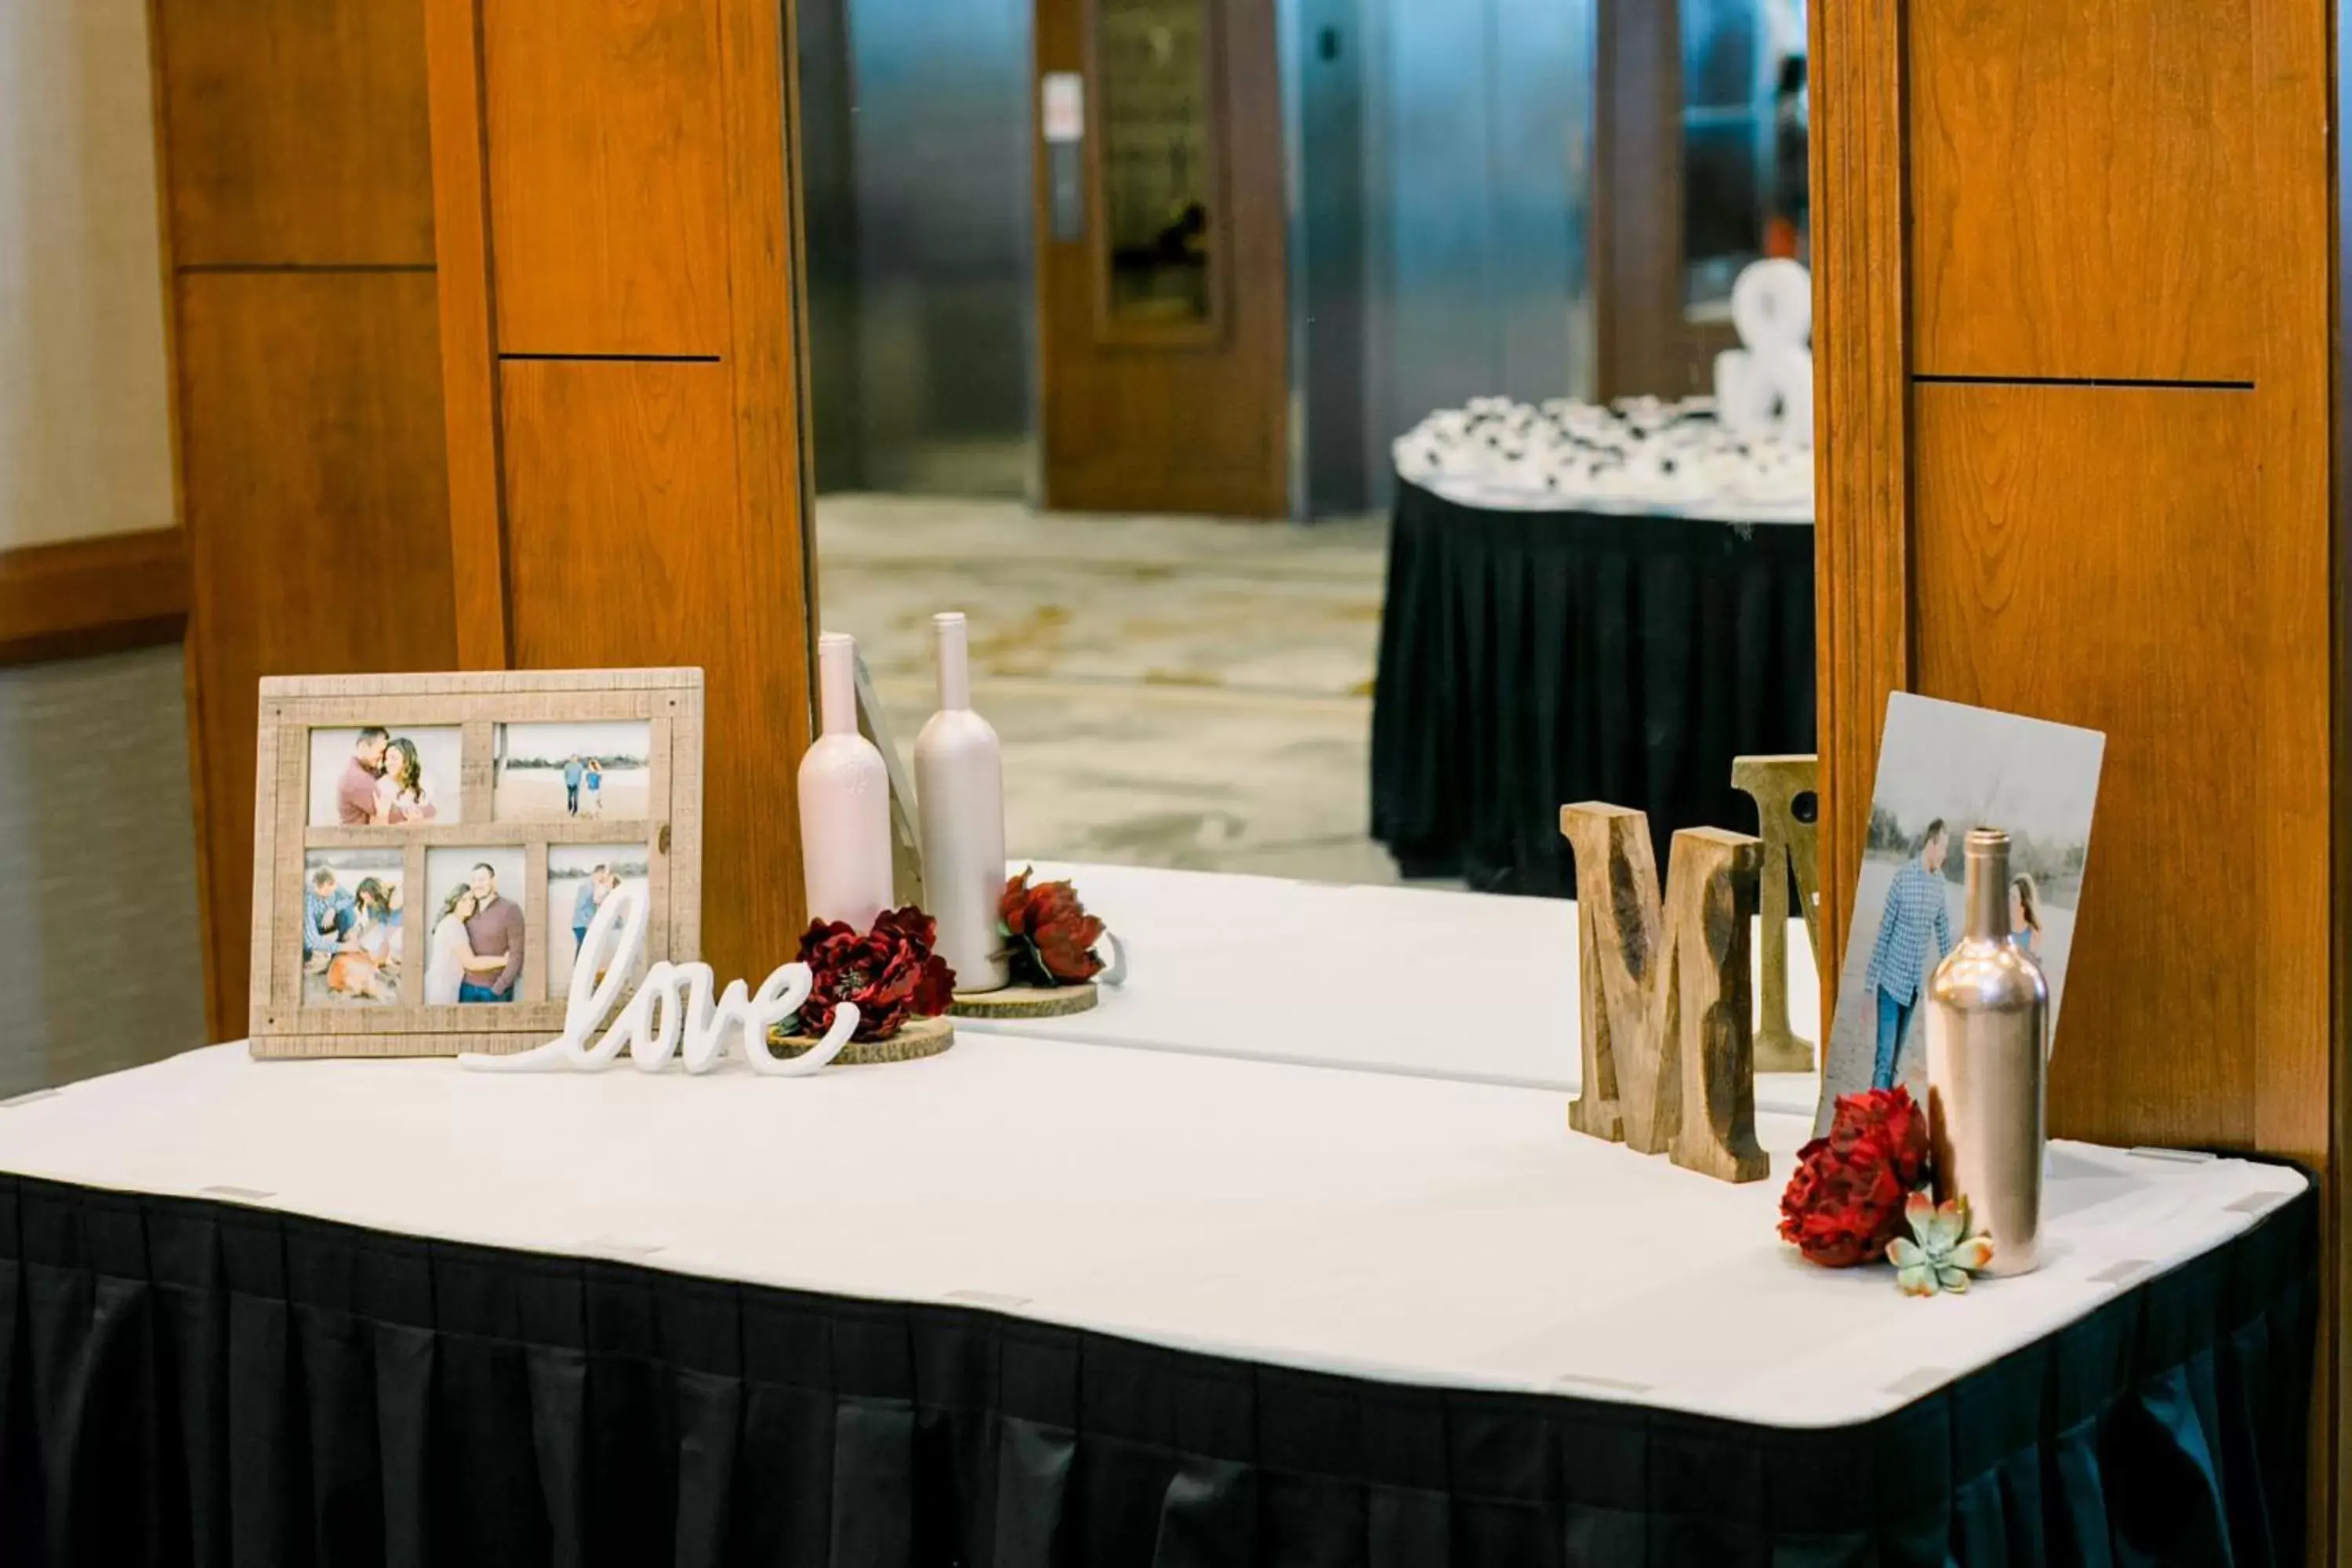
<point>1529,660</point>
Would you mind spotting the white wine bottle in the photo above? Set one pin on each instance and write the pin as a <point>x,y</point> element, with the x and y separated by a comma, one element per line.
<point>959,805</point>
<point>845,794</point>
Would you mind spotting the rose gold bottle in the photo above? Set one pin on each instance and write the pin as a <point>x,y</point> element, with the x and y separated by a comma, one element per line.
<point>1988,1051</point>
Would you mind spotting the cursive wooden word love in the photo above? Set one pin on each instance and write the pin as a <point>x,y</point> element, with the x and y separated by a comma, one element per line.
<point>674,1013</point>
<point>1665,996</point>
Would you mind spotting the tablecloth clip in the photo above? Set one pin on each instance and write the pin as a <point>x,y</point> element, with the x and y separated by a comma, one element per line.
<point>1920,1380</point>
<point>994,1301</point>
<point>1569,1381</point>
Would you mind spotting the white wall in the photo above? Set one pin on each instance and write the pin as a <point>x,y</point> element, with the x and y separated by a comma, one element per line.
<point>85,448</point>
<point>99,939</point>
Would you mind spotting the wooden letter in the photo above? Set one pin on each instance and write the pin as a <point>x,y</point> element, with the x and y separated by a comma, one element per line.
<point>1775,783</point>
<point>1658,977</point>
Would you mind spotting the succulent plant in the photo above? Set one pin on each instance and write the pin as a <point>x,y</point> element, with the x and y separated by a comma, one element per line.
<point>1934,1257</point>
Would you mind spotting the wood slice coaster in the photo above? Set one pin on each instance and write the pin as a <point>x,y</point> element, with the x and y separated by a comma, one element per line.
<point>916,1038</point>
<point>1026,1002</point>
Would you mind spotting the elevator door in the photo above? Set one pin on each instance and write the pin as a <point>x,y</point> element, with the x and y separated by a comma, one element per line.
<point>1161,268</point>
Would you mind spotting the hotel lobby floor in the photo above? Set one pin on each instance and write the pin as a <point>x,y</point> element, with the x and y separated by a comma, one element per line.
<point>1171,691</point>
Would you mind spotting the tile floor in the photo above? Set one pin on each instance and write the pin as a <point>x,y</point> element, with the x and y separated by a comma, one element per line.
<point>1171,691</point>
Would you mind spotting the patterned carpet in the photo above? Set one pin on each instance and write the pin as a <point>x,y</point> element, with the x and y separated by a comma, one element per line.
<point>1171,691</point>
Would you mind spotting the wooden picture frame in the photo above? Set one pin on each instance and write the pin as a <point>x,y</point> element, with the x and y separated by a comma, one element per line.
<point>316,990</point>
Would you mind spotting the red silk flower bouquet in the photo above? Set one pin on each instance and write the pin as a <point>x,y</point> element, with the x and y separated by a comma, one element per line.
<point>1844,1204</point>
<point>1049,938</point>
<point>890,973</point>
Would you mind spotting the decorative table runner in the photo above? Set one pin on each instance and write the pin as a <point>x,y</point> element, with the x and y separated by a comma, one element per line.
<point>1528,658</point>
<point>1033,1302</point>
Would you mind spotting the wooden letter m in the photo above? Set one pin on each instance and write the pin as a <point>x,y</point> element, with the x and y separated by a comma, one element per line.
<point>1665,998</point>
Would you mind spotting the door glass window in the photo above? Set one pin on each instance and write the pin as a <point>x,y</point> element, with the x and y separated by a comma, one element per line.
<point>1744,130</point>
<point>1154,82</point>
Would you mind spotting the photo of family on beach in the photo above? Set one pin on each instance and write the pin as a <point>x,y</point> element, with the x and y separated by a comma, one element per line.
<point>556,773</point>
<point>351,902</point>
<point>372,776</point>
<point>1944,769</point>
<point>579,879</point>
<point>478,935</point>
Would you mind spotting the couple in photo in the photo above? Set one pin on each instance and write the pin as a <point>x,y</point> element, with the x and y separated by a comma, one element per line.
<point>383,784</point>
<point>579,774</point>
<point>353,937</point>
<point>599,887</point>
<point>1916,916</point>
<point>478,944</point>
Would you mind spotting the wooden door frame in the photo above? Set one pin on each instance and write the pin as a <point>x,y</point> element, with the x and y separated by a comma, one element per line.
<point>1644,341</point>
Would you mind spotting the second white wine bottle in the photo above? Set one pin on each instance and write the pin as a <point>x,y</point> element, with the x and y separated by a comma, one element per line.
<point>960,802</point>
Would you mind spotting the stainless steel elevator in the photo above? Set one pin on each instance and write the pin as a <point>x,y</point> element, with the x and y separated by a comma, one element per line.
<point>1437,162</point>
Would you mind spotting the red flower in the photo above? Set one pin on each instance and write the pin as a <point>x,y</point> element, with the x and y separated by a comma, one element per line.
<point>1050,936</point>
<point>890,973</point>
<point>1845,1202</point>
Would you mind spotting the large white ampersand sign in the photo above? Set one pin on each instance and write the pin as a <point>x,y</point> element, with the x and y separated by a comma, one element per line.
<point>680,996</point>
<point>1767,383</point>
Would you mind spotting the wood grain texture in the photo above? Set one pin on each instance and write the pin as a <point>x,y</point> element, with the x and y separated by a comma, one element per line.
<point>1665,993</point>
<point>92,595</point>
<point>1187,425</point>
<point>608,175</point>
<point>295,131</point>
<point>627,546</point>
<point>2041,512</point>
<point>1861,429</point>
<point>916,1038</point>
<point>2304,735</point>
<point>318,529</point>
<point>470,365</point>
<point>766,353</point>
<point>2080,195</point>
<point>1027,1002</point>
<point>1791,852</point>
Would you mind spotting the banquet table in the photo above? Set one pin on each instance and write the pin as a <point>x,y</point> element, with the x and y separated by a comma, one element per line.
<point>1529,657</point>
<point>1045,1300</point>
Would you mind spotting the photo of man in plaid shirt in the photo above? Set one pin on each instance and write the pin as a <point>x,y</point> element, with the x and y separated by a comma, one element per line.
<point>1916,910</point>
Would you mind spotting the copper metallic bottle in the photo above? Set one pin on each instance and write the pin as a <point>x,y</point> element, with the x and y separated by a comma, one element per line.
<point>1987,1054</point>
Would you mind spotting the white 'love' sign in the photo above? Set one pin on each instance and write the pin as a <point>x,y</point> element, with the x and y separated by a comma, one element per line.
<point>674,1012</point>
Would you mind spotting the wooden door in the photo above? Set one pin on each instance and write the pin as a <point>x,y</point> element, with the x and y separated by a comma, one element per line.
<point>1698,128</point>
<point>1160,277</point>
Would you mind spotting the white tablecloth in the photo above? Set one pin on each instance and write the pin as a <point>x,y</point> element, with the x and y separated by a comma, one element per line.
<point>1397,1227</point>
<point>1474,987</point>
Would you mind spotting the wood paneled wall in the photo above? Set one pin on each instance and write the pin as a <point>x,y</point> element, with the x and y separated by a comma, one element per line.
<point>2074,328</point>
<point>619,347</point>
<point>298,239</point>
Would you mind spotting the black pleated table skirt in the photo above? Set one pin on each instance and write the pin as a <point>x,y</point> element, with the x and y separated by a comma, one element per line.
<point>1529,660</point>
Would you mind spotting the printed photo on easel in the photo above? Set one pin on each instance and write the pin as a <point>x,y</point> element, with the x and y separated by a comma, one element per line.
<point>1943,768</point>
